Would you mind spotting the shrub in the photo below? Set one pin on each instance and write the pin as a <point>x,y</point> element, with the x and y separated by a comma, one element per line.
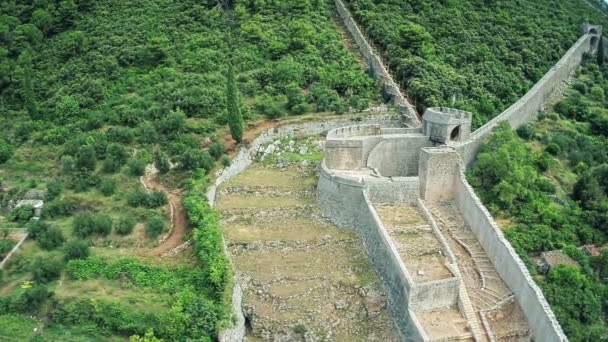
<point>6,151</point>
<point>60,208</point>
<point>553,149</point>
<point>137,198</point>
<point>192,159</point>
<point>161,162</point>
<point>51,238</point>
<point>154,226</point>
<point>36,229</point>
<point>87,224</point>
<point>142,198</point>
<point>137,167</point>
<point>226,161</point>
<point>86,158</point>
<point>216,150</point>
<point>526,132</point>
<point>54,190</point>
<point>5,247</point>
<point>76,249</point>
<point>68,164</point>
<point>107,186</point>
<point>125,225</point>
<point>45,270</point>
<point>22,213</point>
<point>156,199</point>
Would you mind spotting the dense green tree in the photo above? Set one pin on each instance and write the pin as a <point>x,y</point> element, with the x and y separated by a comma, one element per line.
<point>235,119</point>
<point>28,92</point>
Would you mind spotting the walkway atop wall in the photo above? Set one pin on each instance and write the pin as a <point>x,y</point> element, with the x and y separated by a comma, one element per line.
<point>500,314</point>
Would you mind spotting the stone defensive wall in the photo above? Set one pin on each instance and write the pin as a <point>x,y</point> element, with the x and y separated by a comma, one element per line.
<point>375,148</point>
<point>379,71</point>
<point>245,158</point>
<point>526,109</point>
<point>348,201</point>
<point>512,270</point>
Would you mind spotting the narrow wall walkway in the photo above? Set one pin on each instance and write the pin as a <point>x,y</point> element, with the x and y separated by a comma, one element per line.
<point>502,319</point>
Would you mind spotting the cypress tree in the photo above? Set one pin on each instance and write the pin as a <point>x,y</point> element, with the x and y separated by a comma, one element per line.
<point>600,52</point>
<point>235,119</point>
<point>29,96</point>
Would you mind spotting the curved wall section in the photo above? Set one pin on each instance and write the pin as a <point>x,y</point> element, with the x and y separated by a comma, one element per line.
<point>398,156</point>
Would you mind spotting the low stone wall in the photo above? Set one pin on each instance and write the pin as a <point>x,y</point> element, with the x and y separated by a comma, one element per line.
<point>527,108</point>
<point>435,294</point>
<point>13,251</point>
<point>380,72</point>
<point>392,190</point>
<point>541,320</point>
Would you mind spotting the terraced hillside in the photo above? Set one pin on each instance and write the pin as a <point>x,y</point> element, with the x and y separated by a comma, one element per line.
<point>479,55</point>
<point>302,277</point>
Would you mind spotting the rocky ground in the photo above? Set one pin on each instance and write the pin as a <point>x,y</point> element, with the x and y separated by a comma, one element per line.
<point>303,278</point>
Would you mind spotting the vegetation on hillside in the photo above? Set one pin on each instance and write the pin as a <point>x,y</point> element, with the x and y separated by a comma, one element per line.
<point>547,184</point>
<point>478,55</point>
<point>91,92</point>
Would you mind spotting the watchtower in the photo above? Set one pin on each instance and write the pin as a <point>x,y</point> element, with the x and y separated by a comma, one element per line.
<point>446,124</point>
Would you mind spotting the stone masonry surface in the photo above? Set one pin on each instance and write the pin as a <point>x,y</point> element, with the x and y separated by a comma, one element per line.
<point>472,270</point>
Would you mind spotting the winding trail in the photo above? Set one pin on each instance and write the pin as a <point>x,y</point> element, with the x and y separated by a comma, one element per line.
<point>179,220</point>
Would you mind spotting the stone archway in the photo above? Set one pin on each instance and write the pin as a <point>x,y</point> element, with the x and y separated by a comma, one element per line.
<point>593,30</point>
<point>455,134</point>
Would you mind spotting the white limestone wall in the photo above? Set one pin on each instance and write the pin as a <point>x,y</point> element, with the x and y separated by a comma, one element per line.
<point>377,66</point>
<point>527,108</point>
<point>541,320</point>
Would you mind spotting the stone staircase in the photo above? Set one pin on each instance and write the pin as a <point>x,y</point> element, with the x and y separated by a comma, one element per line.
<point>483,288</point>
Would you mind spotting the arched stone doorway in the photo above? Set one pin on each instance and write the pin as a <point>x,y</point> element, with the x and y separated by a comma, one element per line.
<point>455,134</point>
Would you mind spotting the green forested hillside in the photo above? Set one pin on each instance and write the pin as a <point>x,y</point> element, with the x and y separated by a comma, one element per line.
<point>474,55</point>
<point>547,185</point>
<point>93,91</point>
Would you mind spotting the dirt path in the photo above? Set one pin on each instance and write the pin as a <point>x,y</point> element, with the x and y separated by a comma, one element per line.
<point>179,221</point>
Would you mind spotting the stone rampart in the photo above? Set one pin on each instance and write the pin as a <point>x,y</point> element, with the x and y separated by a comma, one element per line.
<point>380,72</point>
<point>348,203</point>
<point>541,320</point>
<point>527,108</point>
<point>375,148</point>
<point>245,156</point>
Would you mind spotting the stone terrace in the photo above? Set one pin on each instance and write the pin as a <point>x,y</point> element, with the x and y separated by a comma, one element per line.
<point>302,277</point>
